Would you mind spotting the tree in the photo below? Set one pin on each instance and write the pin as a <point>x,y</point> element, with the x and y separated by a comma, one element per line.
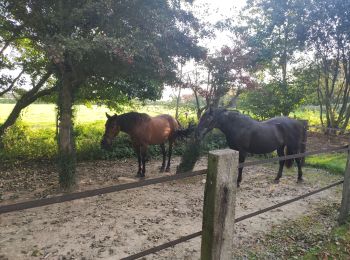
<point>269,101</point>
<point>273,32</point>
<point>329,37</point>
<point>224,72</point>
<point>104,43</point>
<point>28,67</point>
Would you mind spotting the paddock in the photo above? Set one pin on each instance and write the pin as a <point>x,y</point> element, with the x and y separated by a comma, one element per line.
<point>120,224</point>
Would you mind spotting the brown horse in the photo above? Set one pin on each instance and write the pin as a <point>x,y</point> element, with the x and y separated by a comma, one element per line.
<point>143,130</point>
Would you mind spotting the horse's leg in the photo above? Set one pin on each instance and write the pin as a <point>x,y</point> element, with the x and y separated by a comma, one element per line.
<point>138,152</point>
<point>169,155</point>
<point>143,150</point>
<point>300,173</point>
<point>241,159</point>
<point>162,146</point>
<point>280,152</point>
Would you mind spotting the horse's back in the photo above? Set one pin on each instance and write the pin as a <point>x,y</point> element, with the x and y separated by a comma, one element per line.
<point>292,129</point>
<point>162,128</point>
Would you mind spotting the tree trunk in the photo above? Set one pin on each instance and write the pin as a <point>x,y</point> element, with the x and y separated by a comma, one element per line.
<point>178,103</point>
<point>66,144</point>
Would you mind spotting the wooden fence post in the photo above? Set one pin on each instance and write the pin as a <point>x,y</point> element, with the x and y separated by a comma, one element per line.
<point>219,205</point>
<point>345,202</point>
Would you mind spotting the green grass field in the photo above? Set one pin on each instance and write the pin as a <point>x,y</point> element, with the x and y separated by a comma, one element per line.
<point>43,115</point>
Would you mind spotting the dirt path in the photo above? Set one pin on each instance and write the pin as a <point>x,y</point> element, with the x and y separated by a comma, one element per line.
<point>119,224</point>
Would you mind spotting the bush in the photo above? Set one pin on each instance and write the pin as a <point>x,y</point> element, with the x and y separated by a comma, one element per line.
<point>272,99</point>
<point>20,142</point>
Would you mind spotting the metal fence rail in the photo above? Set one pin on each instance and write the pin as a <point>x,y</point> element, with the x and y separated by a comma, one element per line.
<point>329,128</point>
<point>250,215</point>
<point>133,185</point>
<point>91,193</point>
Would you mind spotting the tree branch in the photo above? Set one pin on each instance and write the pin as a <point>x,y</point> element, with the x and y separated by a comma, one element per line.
<point>12,84</point>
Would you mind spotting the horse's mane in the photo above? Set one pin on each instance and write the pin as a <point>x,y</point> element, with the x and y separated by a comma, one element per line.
<point>134,117</point>
<point>232,113</point>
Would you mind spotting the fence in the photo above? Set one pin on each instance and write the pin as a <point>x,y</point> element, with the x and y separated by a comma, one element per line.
<point>329,129</point>
<point>219,201</point>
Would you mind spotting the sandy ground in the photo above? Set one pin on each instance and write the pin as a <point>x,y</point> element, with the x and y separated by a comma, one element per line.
<point>119,224</point>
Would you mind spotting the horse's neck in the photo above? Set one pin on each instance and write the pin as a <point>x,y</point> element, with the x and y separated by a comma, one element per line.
<point>124,124</point>
<point>231,124</point>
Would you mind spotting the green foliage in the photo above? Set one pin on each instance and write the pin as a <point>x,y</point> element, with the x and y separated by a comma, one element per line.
<point>194,149</point>
<point>190,156</point>
<point>20,142</point>
<point>117,50</point>
<point>310,113</point>
<point>7,101</point>
<point>272,100</point>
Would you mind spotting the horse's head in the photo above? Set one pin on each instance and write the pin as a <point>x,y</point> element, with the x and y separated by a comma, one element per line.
<point>206,123</point>
<point>112,129</point>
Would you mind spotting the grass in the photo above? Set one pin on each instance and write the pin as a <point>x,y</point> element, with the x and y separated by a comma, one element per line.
<point>334,163</point>
<point>44,115</point>
<point>312,114</point>
<point>310,237</point>
<point>336,247</point>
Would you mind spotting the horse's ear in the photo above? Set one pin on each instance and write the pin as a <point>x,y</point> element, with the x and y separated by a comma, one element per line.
<point>108,116</point>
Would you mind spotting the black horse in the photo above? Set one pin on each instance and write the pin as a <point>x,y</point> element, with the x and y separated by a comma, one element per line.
<point>246,135</point>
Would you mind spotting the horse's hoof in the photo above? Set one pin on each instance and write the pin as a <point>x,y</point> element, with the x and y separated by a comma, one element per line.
<point>167,169</point>
<point>161,169</point>
<point>276,181</point>
<point>300,181</point>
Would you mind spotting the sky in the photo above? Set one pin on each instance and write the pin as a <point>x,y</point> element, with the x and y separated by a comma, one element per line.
<point>211,11</point>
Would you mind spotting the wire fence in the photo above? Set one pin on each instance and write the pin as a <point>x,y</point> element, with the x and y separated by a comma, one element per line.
<point>341,131</point>
<point>250,215</point>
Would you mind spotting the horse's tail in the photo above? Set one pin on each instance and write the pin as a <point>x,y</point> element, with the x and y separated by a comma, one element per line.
<point>289,163</point>
<point>181,133</point>
<point>299,146</point>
